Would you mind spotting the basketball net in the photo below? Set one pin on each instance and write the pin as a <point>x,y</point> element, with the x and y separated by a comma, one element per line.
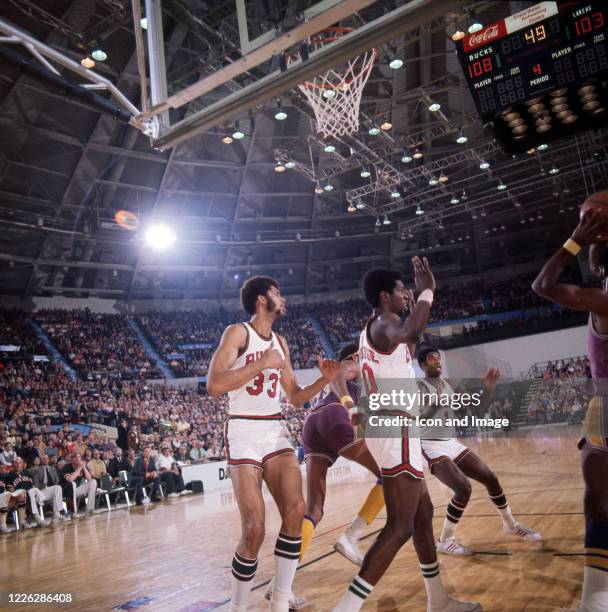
<point>335,96</point>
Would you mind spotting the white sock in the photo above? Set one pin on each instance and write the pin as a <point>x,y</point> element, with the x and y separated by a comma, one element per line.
<point>507,517</point>
<point>286,558</point>
<point>448,530</point>
<point>355,531</point>
<point>241,581</point>
<point>595,590</point>
<point>279,601</point>
<point>435,592</point>
<point>354,597</point>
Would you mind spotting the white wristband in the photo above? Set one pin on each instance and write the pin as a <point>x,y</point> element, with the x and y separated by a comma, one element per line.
<point>426,296</point>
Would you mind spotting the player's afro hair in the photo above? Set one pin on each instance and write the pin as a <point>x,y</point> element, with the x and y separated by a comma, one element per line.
<point>379,280</point>
<point>252,288</point>
<point>425,352</point>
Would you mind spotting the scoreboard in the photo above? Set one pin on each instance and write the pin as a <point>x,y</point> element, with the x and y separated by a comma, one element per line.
<point>541,73</point>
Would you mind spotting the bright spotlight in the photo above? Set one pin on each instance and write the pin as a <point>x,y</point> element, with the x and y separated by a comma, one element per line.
<point>160,236</point>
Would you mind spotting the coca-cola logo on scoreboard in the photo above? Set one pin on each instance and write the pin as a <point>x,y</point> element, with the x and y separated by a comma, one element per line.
<point>492,32</point>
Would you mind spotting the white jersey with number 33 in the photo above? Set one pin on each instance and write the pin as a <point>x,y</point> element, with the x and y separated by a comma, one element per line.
<point>261,396</point>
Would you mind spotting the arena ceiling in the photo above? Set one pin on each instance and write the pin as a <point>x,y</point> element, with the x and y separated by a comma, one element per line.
<point>66,167</point>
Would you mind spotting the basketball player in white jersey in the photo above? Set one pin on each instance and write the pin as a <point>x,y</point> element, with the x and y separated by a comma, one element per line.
<point>249,364</point>
<point>452,462</point>
<point>386,361</point>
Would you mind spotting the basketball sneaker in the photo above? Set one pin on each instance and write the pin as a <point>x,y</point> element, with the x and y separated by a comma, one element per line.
<point>295,601</point>
<point>349,548</point>
<point>452,547</point>
<point>453,605</point>
<point>525,533</point>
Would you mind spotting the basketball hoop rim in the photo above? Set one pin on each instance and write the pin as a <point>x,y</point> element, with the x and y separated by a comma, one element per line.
<point>316,40</point>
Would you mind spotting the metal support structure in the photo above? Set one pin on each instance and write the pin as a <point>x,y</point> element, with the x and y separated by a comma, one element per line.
<point>48,52</point>
<point>156,58</point>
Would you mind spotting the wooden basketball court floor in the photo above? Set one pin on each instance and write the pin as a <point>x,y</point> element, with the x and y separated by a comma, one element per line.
<point>176,555</point>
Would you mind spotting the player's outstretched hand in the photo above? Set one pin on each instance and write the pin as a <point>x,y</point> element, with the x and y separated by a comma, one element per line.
<point>272,359</point>
<point>423,277</point>
<point>492,379</point>
<point>410,301</point>
<point>591,228</point>
<point>329,368</point>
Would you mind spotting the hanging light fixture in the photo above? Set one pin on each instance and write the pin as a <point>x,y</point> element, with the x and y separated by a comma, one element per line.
<point>433,181</point>
<point>143,22</point>
<point>98,54</point>
<point>279,167</point>
<point>395,194</point>
<point>378,222</point>
<point>407,158</point>
<point>464,195</point>
<point>395,62</point>
<point>454,200</point>
<point>483,165</point>
<point>386,221</point>
<point>87,62</point>
<point>501,186</point>
<point>461,138</point>
<point>237,134</point>
<point>318,189</point>
<point>443,177</point>
<point>434,106</point>
<point>458,35</point>
<point>228,140</point>
<point>554,170</point>
<point>365,173</point>
<point>419,210</point>
<point>373,131</point>
<point>328,187</point>
<point>351,207</point>
<point>387,125</point>
<point>329,148</point>
<point>360,205</point>
<point>417,154</point>
<point>542,147</point>
<point>290,164</point>
<point>280,114</point>
<point>475,25</point>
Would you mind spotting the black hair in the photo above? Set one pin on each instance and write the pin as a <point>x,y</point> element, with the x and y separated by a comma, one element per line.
<point>348,351</point>
<point>425,352</point>
<point>379,280</point>
<point>252,288</point>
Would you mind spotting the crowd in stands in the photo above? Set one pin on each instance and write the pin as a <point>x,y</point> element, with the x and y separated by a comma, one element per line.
<point>97,345</point>
<point>564,393</point>
<point>187,339</point>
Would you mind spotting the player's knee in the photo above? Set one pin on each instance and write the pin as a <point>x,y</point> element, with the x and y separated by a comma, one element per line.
<point>253,532</point>
<point>400,533</point>
<point>463,489</point>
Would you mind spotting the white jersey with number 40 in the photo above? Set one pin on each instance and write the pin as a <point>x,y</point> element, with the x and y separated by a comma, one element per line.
<point>261,396</point>
<point>378,367</point>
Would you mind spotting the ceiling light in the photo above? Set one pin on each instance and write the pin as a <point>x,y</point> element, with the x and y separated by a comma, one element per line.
<point>406,159</point>
<point>387,125</point>
<point>482,212</point>
<point>160,236</point>
<point>351,207</point>
<point>237,134</point>
<point>373,131</point>
<point>360,205</point>
<point>417,154</point>
<point>419,210</point>
<point>454,200</point>
<point>143,22</point>
<point>98,54</point>
<point>329,93</point>
<point>378,222</point>
<point>290,164</point>
<point>395,194</point>
<point>443,178</point>
<point>458,35</point>
<point>227,139</point>
<point>365,173</point>
<point>483,165</point>
<point>279,167</point>
<point>386,221</point>
<point>434,106</point>
<point>474,215</point>
<point>318,189</point>
<point>542,147</point>
<point>328,187</point>
<point>501,186</point>
<point>461,138</point>
<point>87,62</point>
<point>433,181</point>
<point>464,195</point>
<point>280,114</point>
<point>475,26</point>
<point>329,148</point>
<point>395,63</point>
<point>554,170</point>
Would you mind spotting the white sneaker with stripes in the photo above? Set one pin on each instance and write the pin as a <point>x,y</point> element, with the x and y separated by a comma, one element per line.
<point>452,547</point>
<point>525,533</point>
<point>295,601</point>
<point>453,605</point>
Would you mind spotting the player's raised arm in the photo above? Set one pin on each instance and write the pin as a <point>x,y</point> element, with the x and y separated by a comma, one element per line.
<point>410,330</point>
<point>298,395</point>
<point>547,282</point>
<point>221,378</point>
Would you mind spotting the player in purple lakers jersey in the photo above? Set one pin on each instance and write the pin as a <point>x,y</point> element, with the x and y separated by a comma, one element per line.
<point>592,230</point>
<point>328,434</point>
